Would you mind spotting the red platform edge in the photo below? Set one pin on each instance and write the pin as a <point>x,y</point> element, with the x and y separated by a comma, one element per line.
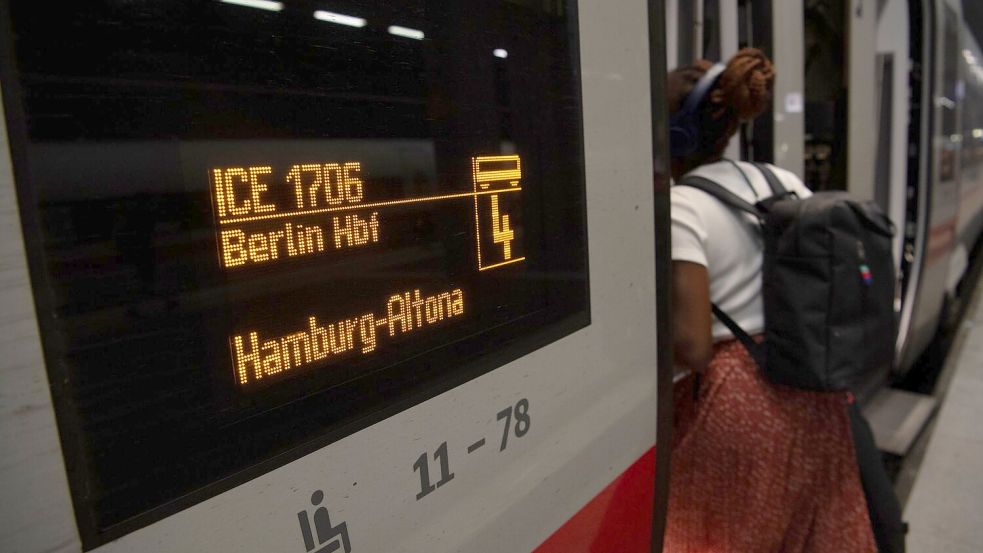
<point>619,519</point>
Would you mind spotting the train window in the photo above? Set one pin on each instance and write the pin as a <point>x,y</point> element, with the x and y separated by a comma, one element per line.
<point>711,30</point>
<point>256,227</point>
<point>951,95</point>
<point>685,33</point>
<point>826,94</point>
<point>972,106</point>
<point>754,29</point>
<point>885,130</point>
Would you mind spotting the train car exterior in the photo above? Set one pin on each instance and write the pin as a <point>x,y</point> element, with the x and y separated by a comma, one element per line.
<point>943,208</point>
<point>175,178</point>
<point>155,157</point>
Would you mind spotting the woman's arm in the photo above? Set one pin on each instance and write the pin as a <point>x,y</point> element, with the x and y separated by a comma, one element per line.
<point>692,341</point>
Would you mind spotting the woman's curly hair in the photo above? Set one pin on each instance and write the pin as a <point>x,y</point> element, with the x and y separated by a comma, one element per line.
<point>742,93</point>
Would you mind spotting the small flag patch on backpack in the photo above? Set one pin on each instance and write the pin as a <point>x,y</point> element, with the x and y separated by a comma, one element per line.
<point>865,274</point>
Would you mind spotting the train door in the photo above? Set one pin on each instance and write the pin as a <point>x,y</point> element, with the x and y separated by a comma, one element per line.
<point>333,276</point>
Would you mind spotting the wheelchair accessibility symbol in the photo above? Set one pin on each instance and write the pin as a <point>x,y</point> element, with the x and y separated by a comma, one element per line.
<point>328,538</point>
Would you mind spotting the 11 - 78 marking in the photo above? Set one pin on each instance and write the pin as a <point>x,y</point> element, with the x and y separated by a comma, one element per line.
<point>441,456</point>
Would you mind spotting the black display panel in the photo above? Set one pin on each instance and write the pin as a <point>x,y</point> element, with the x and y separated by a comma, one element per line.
<point>256,227</point>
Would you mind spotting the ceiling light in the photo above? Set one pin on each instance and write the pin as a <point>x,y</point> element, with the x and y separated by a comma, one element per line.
<point>341,19</point>
<point>406,32</point>
<point>268,5</point>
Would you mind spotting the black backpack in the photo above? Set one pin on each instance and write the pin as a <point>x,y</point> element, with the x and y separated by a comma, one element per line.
<point>828,287</point>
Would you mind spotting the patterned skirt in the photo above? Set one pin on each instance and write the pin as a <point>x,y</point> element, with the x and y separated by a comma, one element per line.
<point>762,468</point>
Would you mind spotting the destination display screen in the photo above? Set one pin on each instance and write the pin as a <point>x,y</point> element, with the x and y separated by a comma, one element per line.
<point>268,218</point>
<point>256,227</point>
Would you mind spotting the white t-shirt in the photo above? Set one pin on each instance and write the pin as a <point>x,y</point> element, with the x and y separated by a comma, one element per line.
<point>726,242</point>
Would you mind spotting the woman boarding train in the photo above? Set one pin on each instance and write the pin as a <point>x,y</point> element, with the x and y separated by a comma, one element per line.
<point>755,466</point>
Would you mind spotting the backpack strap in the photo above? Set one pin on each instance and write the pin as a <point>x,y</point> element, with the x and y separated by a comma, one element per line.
<point>777,188</point>
<point>722,194</point>
<point>756,350</point>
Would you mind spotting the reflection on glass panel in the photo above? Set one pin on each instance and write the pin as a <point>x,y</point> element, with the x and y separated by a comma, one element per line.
<point>826,95</point>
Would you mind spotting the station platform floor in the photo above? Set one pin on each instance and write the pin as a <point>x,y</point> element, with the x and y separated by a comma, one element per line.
<point>945,508</point>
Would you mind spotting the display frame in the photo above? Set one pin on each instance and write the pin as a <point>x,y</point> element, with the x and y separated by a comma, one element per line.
<point>470,363</point>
